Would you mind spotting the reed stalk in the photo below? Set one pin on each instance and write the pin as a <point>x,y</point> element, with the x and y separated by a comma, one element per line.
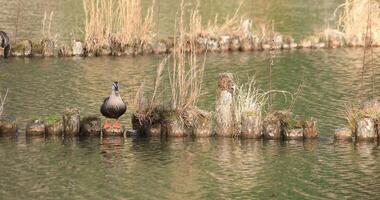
<point>119,21</point>
<point>356,16</point>
<point>186,75</point>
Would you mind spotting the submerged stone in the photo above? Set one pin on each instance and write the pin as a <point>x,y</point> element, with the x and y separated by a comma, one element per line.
<point>235,44</point>
<point>65,51</point>
<point>202,126</point>
<point>91,126</point>
<point>366,129</point>
<point>294,134</point>
<point>78,48</point>
<point>225,110</point>
<point>310,129</point>
<point>159,47</point>
<point>22,48</point>
<point>250,126</point>
<point>54,127</point>
<point>272,129</point>
<point>71,122</point>
<point>8,127</point>
<point>225,43</point>
<point>47,47</point>
<point>343,134</point>
<point>35,128</point>
<point>172,125</point>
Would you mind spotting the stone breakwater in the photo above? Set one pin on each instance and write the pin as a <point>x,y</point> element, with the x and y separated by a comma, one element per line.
<point>246,41</point>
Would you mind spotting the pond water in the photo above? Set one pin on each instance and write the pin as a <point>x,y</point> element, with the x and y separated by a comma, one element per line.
<point>215,168</point>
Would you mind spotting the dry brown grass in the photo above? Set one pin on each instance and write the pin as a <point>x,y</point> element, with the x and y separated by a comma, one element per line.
<point>353,112</point>
<point>119,21</point>
<point>143,107</point>
<point>360,19</point>
<point>186,75</point>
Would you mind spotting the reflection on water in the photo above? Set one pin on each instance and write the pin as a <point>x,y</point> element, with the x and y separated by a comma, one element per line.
<point>143,168</point>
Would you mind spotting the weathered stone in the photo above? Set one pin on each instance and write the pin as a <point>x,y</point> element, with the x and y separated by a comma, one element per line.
<point>119,132</point>
<point>266,46</point>
<point>173,128</point>
<point>343,134</point>
<point>355,42</point>
<point>275,124</point>
<point>212,44</point>
<point>225,43</point>
<point>225,110</point>
<point>22,48</point>
<point>272,128</point>
<point>235,44</point>
<point>310,129</point>
<point>293,45</point>
<point>65,51</point>
<point>277,42</point>
<point>71,122</point>
<point>256,42</point>
<point>250,126</point>
<point>294,134</point>
<point>305,43</point>
<point>8,127</point>
<point>54,128</point>
<point>35,128</point>
<point>78,48</point>
<point>202,126</point>
<point>37,49</point>
<point>159,47</point>
<point>147,48</point>
<point>47,47</point>
<point>172,125</point>
<point>319,45</point>
<point>91,125</point>
<point>366,129</point>
<point>153,130</point>
<point>286,46</point>
<point>247,44</point>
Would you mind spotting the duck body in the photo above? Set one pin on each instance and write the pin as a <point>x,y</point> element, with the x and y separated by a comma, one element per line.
<point>5,43</point>
<point>113,106</point>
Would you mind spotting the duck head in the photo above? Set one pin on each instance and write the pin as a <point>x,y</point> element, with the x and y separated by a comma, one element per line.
<point>115,87</point>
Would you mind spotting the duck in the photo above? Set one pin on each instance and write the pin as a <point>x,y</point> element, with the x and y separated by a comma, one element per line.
<point>5,43</point>
<point>113,107</point>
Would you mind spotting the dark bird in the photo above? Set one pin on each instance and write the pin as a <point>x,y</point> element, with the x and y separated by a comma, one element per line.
<point>113,107</point>
<point>5,43</point>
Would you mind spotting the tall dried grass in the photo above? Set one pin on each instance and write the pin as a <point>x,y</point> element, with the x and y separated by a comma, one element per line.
<point>143,107</point>
<point>119,21</point>
<point>186,75</point>
<point>249,100</point>
<point>360,19</point>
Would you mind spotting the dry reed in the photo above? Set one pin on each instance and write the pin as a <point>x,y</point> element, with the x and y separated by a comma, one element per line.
<point>117,21</point>
<point>144,108</point>
<point>186,75</point>
<point>357,17</point>
<point>369,109</point>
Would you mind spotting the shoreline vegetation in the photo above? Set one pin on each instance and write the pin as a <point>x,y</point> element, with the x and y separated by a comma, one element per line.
<point>120,27</point>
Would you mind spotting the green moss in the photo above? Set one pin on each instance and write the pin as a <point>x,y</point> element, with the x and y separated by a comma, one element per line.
<point>170,115</point>
<point>90,118</point>
<point>295,123</point>
<point>37,48</point>
<point>52,119</point>
<point>250,113</point>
